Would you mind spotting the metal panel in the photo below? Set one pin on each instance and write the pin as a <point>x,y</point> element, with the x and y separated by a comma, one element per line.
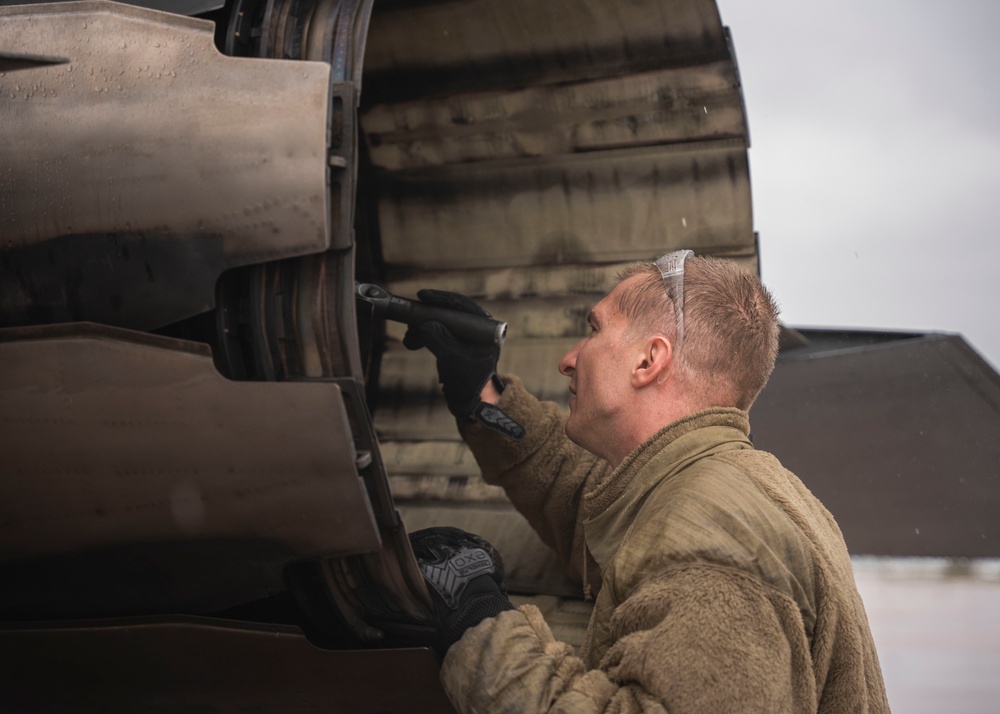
<point>410,461</point>
<point>586,281</point>
<point>604,207</point>
<point>521,152</point>
<point>196,664</point>
<point>139,170</point>
<point>897,438</point>
<point>131,453</point>
<point>487,44</point>
<point>656,107</point>
<point>518,133</point>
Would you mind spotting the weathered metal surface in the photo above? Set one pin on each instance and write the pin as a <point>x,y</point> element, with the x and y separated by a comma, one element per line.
<point>184,162</point>
<point>199,664</point>
<point>299,317</point>
<point>485,44</point>
<point>548,280</point>
<point>566,133</point>
<point>897,437</point>
<point>186,490</point>
<point>661,106</point>
<point>611,206</point>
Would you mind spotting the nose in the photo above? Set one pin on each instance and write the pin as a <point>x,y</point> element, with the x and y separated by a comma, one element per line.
<point>567,365</point>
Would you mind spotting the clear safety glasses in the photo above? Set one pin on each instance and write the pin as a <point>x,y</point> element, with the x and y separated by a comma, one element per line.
<point>671,267</point>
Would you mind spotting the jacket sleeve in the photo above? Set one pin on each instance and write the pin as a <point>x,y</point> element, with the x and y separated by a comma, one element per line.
<point>695,638</point>
<point>544,475</point>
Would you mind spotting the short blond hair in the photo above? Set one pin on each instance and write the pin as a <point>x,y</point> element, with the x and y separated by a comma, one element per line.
<point>731,326</point>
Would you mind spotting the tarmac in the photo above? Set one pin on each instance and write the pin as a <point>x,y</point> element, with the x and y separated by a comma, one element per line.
<point>936,624</point>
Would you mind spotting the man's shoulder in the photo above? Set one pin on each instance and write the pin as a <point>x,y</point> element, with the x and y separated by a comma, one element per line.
<point>715,513</point>
<point>717,485</point>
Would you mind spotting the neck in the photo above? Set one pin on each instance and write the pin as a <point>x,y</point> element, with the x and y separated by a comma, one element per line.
<point>654,409</point>
<point>611,446</point>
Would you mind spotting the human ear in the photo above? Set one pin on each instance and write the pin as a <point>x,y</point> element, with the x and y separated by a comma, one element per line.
<point>655,362</point>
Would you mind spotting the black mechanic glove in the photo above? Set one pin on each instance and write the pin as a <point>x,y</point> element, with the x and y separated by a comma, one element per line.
<point>464,576</point>
<point>463,368</point>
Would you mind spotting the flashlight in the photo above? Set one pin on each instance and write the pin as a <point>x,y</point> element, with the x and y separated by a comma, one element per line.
<point>465,326</point>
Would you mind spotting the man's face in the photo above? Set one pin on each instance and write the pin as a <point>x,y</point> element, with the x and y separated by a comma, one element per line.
<point>599,376</point>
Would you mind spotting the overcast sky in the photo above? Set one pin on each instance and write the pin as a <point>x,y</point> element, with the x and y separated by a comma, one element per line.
<point>875,160</point>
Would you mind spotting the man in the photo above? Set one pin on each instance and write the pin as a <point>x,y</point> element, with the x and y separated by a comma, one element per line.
<point>724,585</point>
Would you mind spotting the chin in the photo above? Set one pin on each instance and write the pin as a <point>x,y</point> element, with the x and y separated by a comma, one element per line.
<point>573,433</point>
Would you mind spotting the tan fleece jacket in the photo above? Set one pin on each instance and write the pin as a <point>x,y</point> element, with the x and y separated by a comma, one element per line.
<point>725,585</point>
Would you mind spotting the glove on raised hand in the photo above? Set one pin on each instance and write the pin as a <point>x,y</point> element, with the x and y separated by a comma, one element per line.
<point>464,575</point>
<point>463,367</point>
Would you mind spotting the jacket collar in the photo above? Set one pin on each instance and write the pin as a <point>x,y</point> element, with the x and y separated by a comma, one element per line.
<point>610,508</point>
